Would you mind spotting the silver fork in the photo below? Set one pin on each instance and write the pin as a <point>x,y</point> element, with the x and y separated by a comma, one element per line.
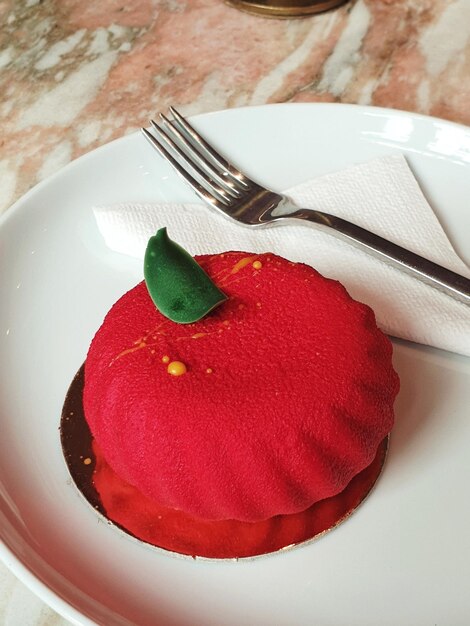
<point>227,189</point>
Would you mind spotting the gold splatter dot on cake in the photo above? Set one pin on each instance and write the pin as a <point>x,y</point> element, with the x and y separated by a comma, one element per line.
<point>176,368</point>
<point>258,304</point>
<point>209,370</point>
<point>165,359</point>
<point>257,265</point>
<point>87,461</point>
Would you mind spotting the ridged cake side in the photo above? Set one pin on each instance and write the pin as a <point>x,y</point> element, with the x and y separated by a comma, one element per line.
<point>289,390</point>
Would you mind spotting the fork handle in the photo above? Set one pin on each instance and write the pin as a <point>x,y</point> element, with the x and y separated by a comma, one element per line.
<point>439,277</point>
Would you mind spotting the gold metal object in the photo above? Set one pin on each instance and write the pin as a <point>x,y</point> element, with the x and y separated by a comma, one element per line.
<point>285,8</point>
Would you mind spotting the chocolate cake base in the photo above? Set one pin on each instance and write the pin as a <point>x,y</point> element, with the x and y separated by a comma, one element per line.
<point>178,532</point>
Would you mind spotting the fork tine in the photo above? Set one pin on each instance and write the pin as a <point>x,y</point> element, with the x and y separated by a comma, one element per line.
<point>230,171</point>
<point>203,163</point>
<point>199,189</point>
<point>207,182</point>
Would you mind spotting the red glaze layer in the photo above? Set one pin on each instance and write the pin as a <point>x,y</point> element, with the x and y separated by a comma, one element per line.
<point>288,392</point>
<point>226,539</point>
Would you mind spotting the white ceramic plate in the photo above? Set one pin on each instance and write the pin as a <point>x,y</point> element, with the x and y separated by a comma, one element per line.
<point>402,558</point>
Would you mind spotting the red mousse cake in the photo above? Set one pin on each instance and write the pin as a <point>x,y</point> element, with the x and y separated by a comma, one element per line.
<point>272,402</point>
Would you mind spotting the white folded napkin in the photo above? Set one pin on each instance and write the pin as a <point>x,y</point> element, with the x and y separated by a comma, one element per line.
<point>381,195</point>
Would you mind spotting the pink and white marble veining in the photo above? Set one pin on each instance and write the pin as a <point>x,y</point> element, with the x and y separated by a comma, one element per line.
<point>75,74</point>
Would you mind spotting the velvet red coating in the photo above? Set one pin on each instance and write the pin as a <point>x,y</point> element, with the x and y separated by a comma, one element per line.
<point>288,391</point>
<point>225,539</point>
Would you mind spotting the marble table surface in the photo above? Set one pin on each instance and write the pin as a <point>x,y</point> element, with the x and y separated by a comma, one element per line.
<point>75,74</point>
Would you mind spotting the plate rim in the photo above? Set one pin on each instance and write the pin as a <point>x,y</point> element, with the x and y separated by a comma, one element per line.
<point>13,561</point>
<point>359,108</point>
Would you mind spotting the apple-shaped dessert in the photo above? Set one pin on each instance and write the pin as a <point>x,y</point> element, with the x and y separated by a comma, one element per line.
<point>270,392</point>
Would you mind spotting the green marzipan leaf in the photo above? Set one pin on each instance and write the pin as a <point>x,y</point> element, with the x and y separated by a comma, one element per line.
<point>179,287</point>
